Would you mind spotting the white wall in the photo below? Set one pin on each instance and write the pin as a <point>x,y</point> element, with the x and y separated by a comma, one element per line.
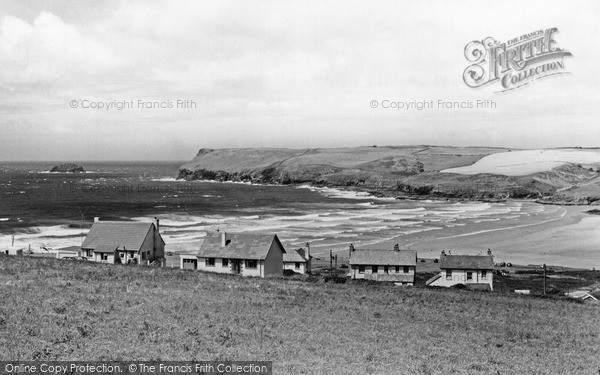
<point>460,277</point>
<point>354,273</point>
<point>217,268</point>
<point>292,266</point>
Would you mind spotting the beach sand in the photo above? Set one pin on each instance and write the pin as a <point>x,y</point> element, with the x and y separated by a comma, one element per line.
<point>569,230</point>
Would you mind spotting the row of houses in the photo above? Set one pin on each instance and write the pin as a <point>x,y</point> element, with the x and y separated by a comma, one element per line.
<point>263,255</point>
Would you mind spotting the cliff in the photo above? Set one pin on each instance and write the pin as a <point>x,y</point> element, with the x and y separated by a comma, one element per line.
<point>402,172</point>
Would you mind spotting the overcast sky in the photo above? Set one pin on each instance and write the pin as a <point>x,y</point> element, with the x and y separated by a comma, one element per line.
<point>280,74</point>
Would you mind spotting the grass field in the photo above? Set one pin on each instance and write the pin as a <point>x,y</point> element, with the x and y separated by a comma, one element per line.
<point>55,310</point>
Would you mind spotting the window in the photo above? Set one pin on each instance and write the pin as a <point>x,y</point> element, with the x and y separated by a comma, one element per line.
<point>210,261</point>
<point>144,255</point>
<point>104,256</point>
<point>122,255</point>
<point>361,269</point>
<point>448,274</point>
<point>397,269</point>
<point>225,262</point>
<point>297,265</point>
<point>374,269</point>
<point>469,276</point>
<point>484,274</point>
<point>250,263</point>
<point>406,269</point>
<point>385,269</point>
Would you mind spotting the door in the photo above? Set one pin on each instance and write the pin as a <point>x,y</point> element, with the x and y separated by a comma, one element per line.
<point>236,266</point>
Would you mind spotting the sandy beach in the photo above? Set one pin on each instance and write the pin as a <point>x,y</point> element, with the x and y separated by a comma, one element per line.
<point>570,237</point>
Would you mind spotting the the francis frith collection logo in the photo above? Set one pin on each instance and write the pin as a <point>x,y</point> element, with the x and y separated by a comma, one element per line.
<point>515,63</point>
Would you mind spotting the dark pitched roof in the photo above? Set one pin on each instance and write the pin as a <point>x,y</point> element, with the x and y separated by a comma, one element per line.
<point>467,262</point>
<point>238,246</point>
<point>294,256</point>
<point>383,257</point>
<point>121,234</point>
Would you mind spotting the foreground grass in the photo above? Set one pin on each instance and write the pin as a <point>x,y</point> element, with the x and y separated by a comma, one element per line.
<point>64,310</point>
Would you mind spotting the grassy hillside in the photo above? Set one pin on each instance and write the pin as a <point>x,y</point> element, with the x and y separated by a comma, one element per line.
<point>55,309</point>
<point>409,171</point>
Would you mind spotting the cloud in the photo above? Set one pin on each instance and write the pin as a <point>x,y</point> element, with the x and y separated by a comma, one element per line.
<point>48,51</point>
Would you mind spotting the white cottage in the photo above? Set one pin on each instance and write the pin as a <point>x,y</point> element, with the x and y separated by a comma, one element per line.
<point>13,251</point>
<point>124,242</point>
<point>396,265</point>
<point>473,271</point>
<point>259,255</point>
<point>298,260</point>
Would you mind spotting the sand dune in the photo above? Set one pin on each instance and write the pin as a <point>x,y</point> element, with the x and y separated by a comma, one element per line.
<point>522,163</point>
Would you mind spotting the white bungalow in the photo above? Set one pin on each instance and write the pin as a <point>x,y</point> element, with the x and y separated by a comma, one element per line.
<point>13,251</point>
<point>259,255</point>
<point>396,265</point>
<point>473,271</point>
<point>124,242</point>
<point>298,260</point>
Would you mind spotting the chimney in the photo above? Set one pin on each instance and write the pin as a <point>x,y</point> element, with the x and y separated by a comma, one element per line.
<point>489,252</point>
<point>443,253</point>
<point>351,250</point>
<point>396,247</point>
<point>96,219</point>
<point>307,254</point>
<point>157,224</point>
<point>223,239</point>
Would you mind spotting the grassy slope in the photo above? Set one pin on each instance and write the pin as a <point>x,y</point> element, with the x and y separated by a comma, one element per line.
<point>69,310</point>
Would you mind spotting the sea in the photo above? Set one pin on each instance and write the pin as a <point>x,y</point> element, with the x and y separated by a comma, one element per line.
<point>42,210</point>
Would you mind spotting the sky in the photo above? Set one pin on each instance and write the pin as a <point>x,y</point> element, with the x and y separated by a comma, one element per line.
<point>292,74</point>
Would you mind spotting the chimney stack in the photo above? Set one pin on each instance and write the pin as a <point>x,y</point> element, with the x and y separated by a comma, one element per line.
<point>351,250</point>
<point>223,239</point>
<point>157,224</point>
<point>396,247</point>
<point>443,253</point>
<point>307,251</point>
<point>96,219</point>
<point>489,252</point>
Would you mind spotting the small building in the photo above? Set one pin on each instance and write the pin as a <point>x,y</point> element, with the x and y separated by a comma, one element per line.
<point>398,266</point>
<point>13,251</point>
<point>473,271</point>
<point>259,255</point>
<point>298,260</point>
<point>124,242</point>
<point>68,252</point>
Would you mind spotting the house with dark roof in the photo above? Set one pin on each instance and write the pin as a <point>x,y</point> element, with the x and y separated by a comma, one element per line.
<point>245,254</point>
<point>473,271</point>
<point>398,266</point>
<point>124,242</point>
<point>298,260</point>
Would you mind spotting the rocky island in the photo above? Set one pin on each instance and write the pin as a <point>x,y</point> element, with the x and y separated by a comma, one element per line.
<point>67,168</point>
<point>556,176</point>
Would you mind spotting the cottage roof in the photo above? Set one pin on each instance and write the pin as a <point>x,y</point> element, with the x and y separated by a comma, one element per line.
<point>72,249</point>
<point>122,234</point>
<point>103,248</point>
<point>467,262</point>
<point>383,257</point>
<point>238,246</point>
<point>294,256</point>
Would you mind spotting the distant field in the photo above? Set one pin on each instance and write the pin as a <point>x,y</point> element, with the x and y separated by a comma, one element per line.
<point>67,310</point>
<point>522,163</point>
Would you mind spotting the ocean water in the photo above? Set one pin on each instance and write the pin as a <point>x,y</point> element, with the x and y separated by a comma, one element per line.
<point>52,210</point>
